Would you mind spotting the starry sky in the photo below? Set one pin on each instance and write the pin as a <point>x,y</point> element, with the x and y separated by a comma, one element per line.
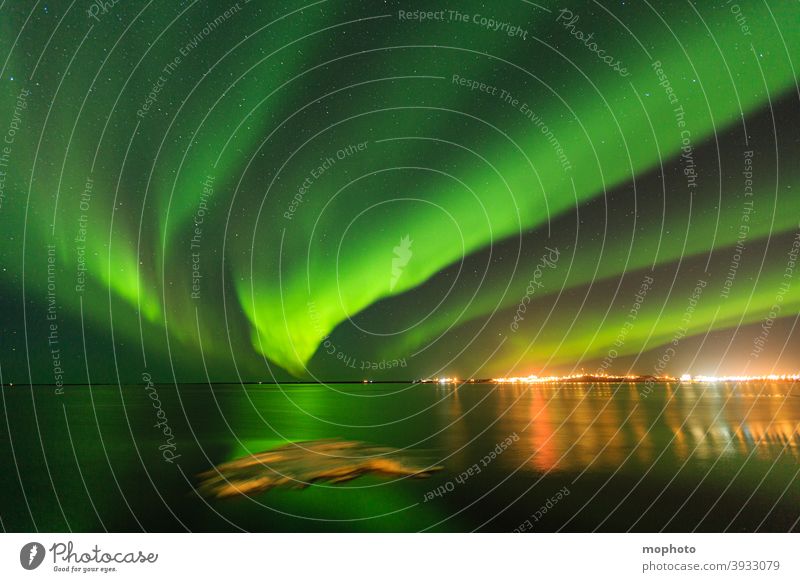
<point>337,190</point>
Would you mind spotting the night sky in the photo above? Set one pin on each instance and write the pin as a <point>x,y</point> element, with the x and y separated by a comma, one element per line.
<point>204,191</point>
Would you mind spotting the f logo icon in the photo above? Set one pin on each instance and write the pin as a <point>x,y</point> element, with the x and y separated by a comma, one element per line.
<point>31,555</point>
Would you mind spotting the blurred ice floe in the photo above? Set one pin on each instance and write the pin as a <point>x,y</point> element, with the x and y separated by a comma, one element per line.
<point>298,465</point>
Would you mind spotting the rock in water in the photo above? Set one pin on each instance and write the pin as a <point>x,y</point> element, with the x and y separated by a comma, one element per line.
<point>298,465</point>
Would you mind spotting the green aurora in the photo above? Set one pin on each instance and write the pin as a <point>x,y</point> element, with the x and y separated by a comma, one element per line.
<point>224,187</point>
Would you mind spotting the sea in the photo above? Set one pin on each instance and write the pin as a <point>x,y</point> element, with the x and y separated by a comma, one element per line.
<point>566,457</point>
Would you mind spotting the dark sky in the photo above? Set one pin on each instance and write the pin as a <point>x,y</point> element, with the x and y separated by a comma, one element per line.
<point>259,191</point>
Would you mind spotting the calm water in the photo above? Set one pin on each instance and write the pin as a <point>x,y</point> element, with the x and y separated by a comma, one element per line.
<point>710,458</point>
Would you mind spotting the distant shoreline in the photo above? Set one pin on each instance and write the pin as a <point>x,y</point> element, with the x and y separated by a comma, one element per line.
<point>584,379</point>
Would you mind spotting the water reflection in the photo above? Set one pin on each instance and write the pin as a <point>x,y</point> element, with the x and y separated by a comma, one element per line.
<point>571,427</point>
<point>620,451</point>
